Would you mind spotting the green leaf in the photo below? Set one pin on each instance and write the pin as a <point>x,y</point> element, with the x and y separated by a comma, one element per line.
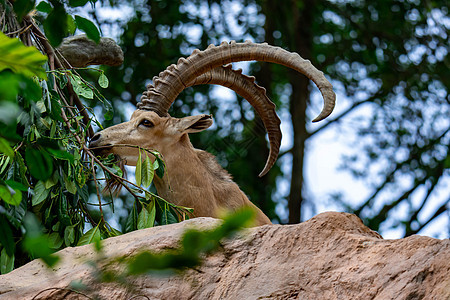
<point>70,185</point>
<point>55,25</point>
<point>90,236</point>
<point>81,88</point>
<point>61,154</point>
<point>6,262</point>
<point>40,193</point>
<point>131,223</point>
<point>75,3</point>
<point>6,236</point>
<point>55,241</point>
<point>39,163</point>
<point>88,27</point>
<point>21,59</point>
<point>69,235</point>
<point>71,26</point>
<point>147,172</point>
<point>146,218</point>
<point>138,173</point>
<point>161,167</point>
<point>44,7</point>
<point>9,195</point>
<point>103,81</point>
<point>17,185</point>
<point>6,148</point>
<point>22,8</point>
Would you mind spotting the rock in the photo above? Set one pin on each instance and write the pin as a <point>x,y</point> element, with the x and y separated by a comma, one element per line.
<point>81,52</point>
<point>331,256</point>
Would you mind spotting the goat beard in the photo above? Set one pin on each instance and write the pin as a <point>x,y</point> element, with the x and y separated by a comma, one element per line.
<point>113,184</point>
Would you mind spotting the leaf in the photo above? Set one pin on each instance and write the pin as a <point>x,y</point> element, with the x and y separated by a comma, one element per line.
<point>40,193</point>
<point>75,3</point>
<point>20,59</point>
<point>22,8</point>
<point>146,218</point>
<point>71,26</point>
<point>70,185</point>
<point>55,241</point>
<point>61,154</point>
<point>131,223</point>
<point>6,236</point>
<point>161,167</point>
<point>44,7</point>
<point>69,235</point>
<point>138,173</point>
<point>55,25</point>
<point>90,236</point>
<point>88,27</point>
<point>6,148</point>
<point>9,195</point>
<point>81,88</point>
<point>39,163</point>
<point>103,81</point>
<point>147,172</point>
<point>17,185</point>
<point>6,262</point>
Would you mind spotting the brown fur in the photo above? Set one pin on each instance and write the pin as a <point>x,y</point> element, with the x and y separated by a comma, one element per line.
<point>193,177</point>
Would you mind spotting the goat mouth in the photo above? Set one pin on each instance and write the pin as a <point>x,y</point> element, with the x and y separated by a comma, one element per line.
<point>101,150</point>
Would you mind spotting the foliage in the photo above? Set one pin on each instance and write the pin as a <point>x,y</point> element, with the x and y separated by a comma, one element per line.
<point>47,173</point>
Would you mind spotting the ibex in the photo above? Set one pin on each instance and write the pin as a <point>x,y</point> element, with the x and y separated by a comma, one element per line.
<point>196,179</point>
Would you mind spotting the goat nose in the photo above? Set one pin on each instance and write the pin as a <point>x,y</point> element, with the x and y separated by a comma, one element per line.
<point>95,139</point>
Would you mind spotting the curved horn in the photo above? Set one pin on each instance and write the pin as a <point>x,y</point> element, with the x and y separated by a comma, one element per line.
<point>175,78</point>
<point>256,95</point>
<point>246,87</point>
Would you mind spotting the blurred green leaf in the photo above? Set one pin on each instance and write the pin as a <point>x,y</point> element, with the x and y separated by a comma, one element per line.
<point>6,262</point>
<point>6,236</point>
<point>75,3</point>
<point>36,243</point>
<point>55,25</point>
<point>44,7</point>
<point>71,25</point>
<point>6,148</point>
<point>21,59</point>
<point>22,8</point>
<point>88,27</point>
<point>9,195</point>
<point>39,163</point>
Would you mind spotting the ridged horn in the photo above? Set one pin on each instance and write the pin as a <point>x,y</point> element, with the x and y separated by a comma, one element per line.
<point>256,95</point>
<point>175,78</point>
<point>202,66</point>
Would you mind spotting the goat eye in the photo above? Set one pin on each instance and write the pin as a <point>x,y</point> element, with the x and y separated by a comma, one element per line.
<point>146,123</point>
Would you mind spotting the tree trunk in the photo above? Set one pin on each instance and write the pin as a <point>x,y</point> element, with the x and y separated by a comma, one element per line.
<point>301,42</point>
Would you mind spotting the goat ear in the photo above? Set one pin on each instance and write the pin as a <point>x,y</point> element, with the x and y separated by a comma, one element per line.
<point>195,123</point>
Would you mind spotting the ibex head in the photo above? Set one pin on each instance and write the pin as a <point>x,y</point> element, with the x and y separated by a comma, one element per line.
<point>208,67</point>
<point>148,130</point>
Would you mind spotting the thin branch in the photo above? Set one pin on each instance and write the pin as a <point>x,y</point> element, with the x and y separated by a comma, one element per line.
<point>98,192</point>
<point>338,118</point>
